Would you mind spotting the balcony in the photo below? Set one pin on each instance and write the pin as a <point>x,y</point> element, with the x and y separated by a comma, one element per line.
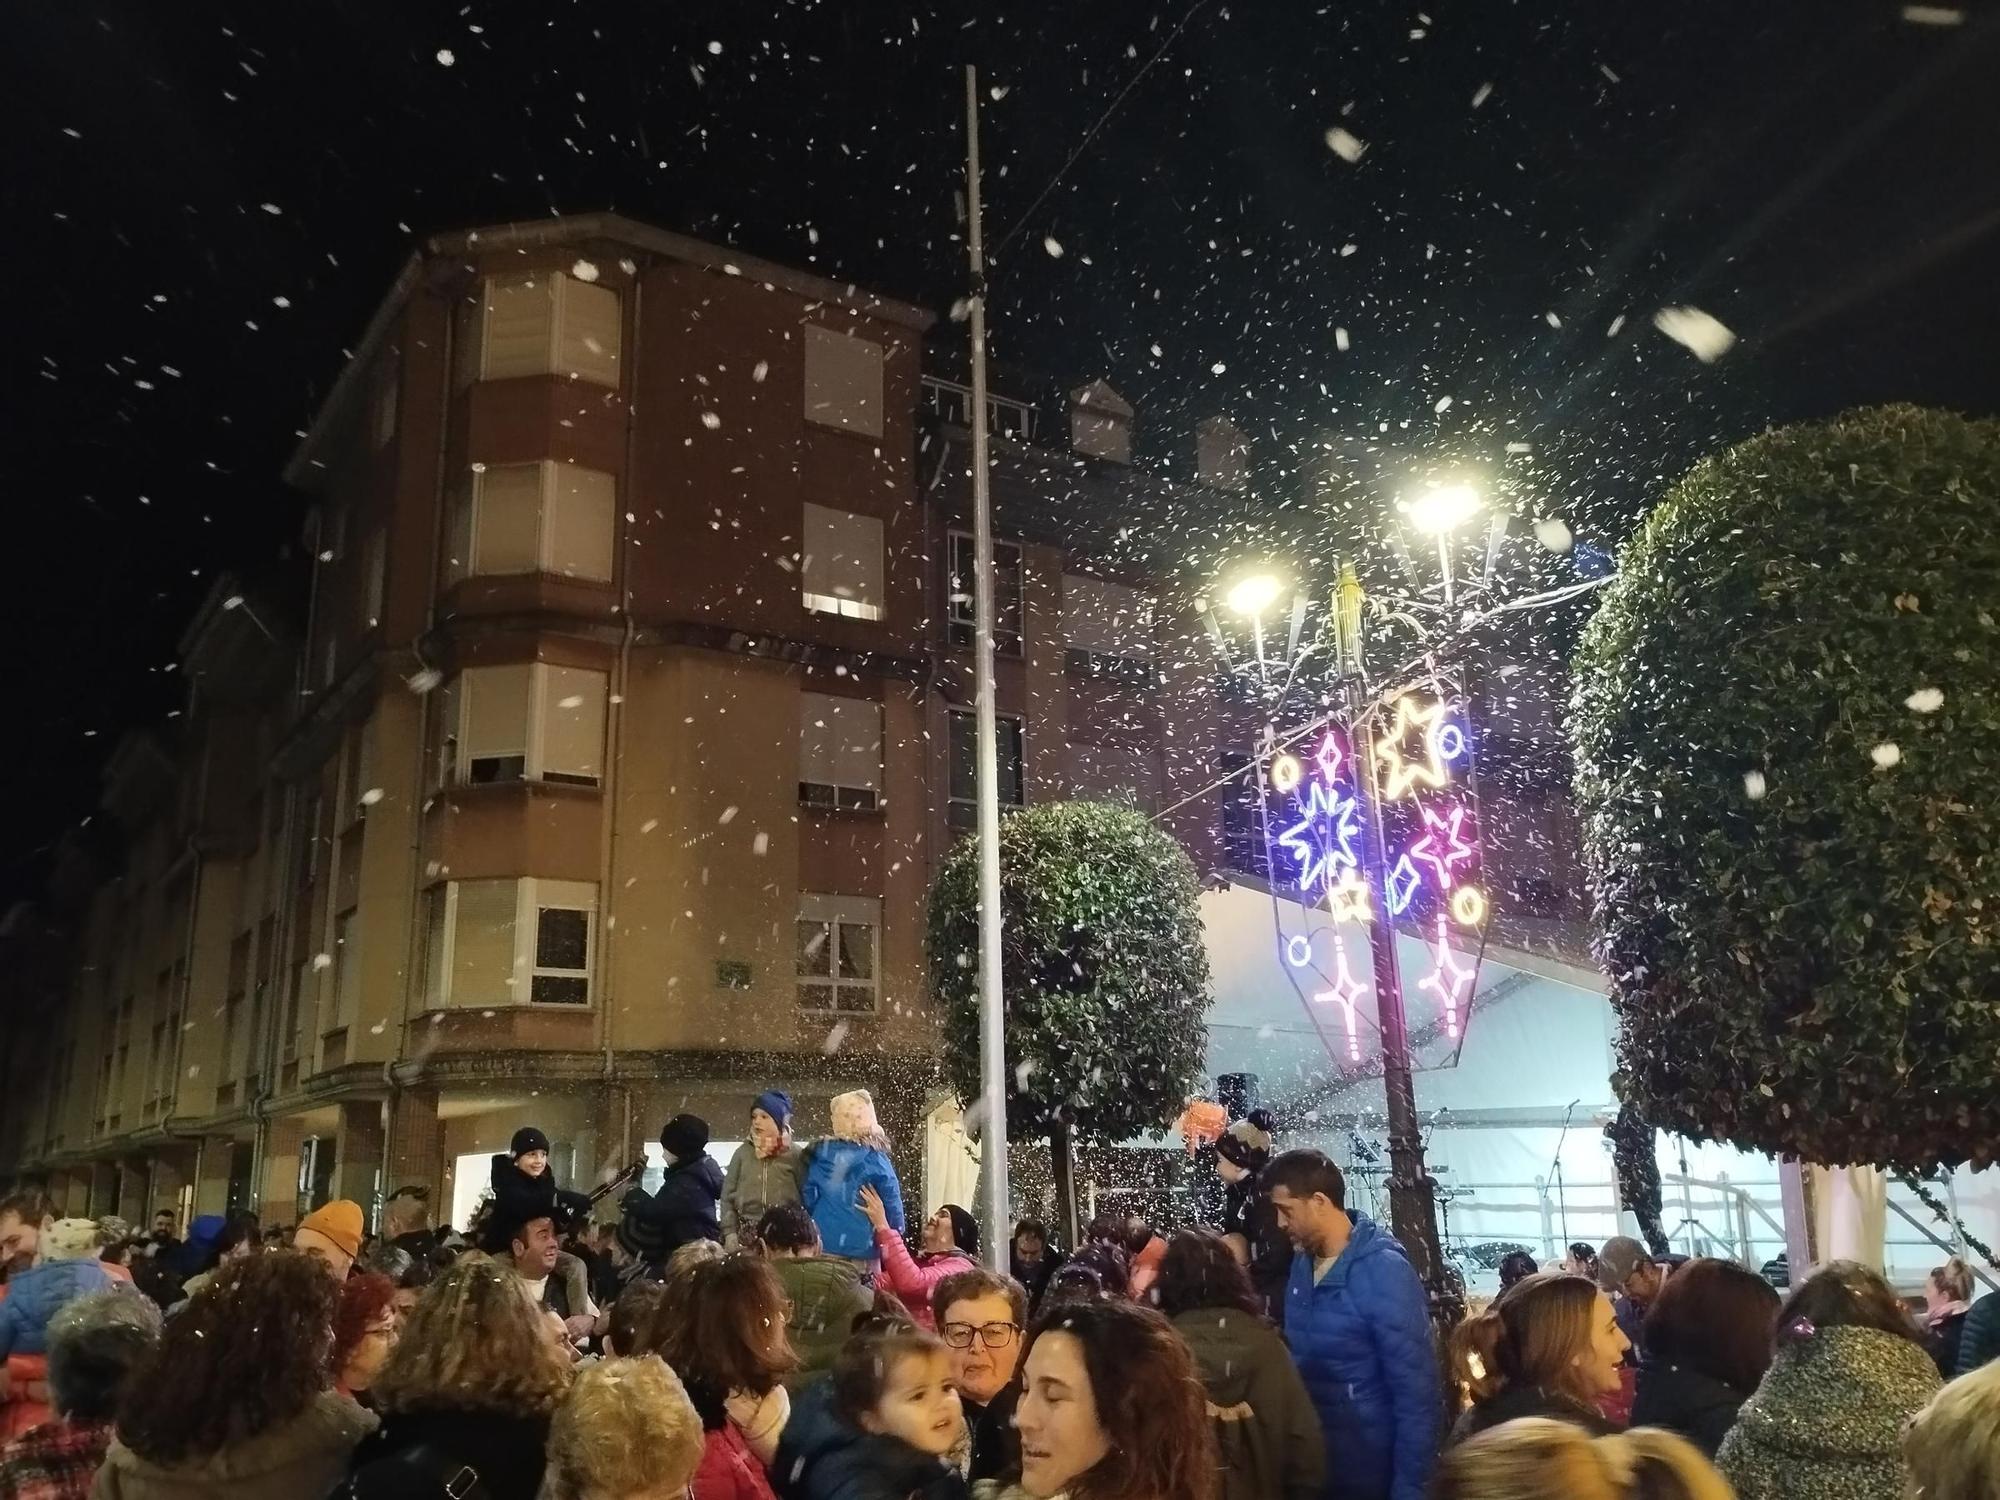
<point>951,402</point>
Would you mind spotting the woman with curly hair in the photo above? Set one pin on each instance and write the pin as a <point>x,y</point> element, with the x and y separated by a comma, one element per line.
<point>467,1395</point>
<point>625,1431</point>
<point>728,1343</point>
<point>1112,1408</point>
<point>235,1401</point>
<point>364,1333</point>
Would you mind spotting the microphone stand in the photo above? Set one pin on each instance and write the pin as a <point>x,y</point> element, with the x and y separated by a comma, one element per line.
<point>1556,1174</point>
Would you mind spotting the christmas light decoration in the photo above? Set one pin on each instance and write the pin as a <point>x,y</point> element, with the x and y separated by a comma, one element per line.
<point>1448,980</point>
<point>1322,841</point>
<point>1328,758</point>
<point>1401,885</point>
<point>1298,950</point>
<point>1443,846</point>
<point>1468,906</point>
<point>1401,772</point>
<point>1351,900</point>
<point>1449,739</point>
<point>1286,774</point>
<point>1345,992</point>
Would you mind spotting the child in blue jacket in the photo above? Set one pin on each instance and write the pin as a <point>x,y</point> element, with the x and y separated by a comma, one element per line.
<point>69,1269</point>
<point>855,1156</point>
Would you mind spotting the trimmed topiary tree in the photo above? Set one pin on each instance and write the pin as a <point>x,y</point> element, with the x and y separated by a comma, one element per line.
<point>1104,972</point>
<point>1788,764</point>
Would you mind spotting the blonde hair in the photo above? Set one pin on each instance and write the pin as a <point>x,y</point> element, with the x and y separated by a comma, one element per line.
<point>475,1342</point>
<point>1534,1458</point>
<point>1530,1336</point>
<point>1954,1279</point>
<point>625,1428</point>
<point>1952,1447</point>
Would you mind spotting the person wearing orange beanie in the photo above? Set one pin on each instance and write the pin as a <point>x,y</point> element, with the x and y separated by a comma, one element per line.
<point>332,1232</point>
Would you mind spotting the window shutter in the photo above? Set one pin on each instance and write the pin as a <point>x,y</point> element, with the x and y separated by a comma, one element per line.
<point>843,381</point>
<point>819,762</point>
<point>858,743</point>
<point>589,332</point>
<point>572,718</point>
<point>482,946</point>
<point>582,521</point>
<point>843,556</point>
<point>496,713</point>
<point>507,534</point>
<point>520,319</point>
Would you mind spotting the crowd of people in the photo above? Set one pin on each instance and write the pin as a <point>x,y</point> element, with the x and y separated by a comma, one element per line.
<point>769,1333</point>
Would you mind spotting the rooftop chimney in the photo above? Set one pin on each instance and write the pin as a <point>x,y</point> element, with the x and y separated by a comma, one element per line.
<point>1100,422</point>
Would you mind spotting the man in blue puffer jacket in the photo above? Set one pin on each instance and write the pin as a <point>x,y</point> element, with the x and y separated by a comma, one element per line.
<point>1358,1324</point>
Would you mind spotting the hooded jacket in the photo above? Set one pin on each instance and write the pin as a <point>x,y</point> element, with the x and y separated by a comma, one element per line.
<point>683,1209</point>
<point>1247,1211</point>
<point>755,1183</point>
<point>304,1456</point>
<point>1827,1421</point>
<point>822,1457</point>
<point>1682,1399</point>
<point>826,1296</point>
<point>34,1296</point>
<point>836,1171</point>
<point>1361,1338</point>
<point>1265,1427</point>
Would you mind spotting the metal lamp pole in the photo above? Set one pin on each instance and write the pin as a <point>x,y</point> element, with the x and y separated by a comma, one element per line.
<point>992,1015</point>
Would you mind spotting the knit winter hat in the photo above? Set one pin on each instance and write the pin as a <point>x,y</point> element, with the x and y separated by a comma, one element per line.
<point>1247,1143</point>
<point>70,1239</point>
<point>777,1104</point>
<point>684,1137</point>
<point>964,1229</point>
<point>527,1139</point>
<point>338,1222</point>
<point>854,1119</point>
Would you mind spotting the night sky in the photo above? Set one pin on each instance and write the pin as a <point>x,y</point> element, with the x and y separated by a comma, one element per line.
<point>207,200</point>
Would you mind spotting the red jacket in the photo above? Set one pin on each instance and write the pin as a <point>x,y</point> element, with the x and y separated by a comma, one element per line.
<point>27,1401</point>
<point>728,1469</point>
<point>912,1280</point>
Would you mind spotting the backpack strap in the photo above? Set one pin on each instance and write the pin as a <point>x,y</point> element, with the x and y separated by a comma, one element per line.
<point>459,1481</point>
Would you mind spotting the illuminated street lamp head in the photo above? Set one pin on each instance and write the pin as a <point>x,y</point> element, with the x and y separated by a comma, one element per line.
<point>1443,508</point>
<point>1254,593</point>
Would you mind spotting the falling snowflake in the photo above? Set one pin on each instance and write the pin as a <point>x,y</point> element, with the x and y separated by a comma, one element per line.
<point>1053,245</point>
<point>372,796</point>
<point>1616,324</point>
<point>1345,144</point>
<point>1217,368</point>
<point>1553,534</point>
<point>1553,319</point>
<point>710,420</point>
<point>1753,785</point>
<point>1484,92</point>
<point>425,680</point>
<point>446,57</point>
<point>1925,700</point>
<point>1700,334</point>
<point>1887,754</point>
<point>759,371</point>
<point>584,270</point>
<point>1340,339</point>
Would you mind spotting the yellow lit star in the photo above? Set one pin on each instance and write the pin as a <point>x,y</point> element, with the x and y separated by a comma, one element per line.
<point>1400,771</point>
<point>1351,899</point>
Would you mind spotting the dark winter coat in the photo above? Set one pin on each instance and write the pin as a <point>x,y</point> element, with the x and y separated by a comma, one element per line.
<point>507,1452</point>
<point>822,1457</point>
<point>1247,1211</point>
<point>1517,1401</point>
<point>826,1295</point>
<point>683,1209</point>
<point>1827,1421</point>
<point>1979,1339</point>
<point>519,1198</point>
<point>1361,1337</point>
<point>35,1296</point>
<point>996,1441</point>
<point>1265,1427</point>
<point>836,1172</point>
<point>1035,1279</point>
<point>300,1457</point>
<point>1681,1399</point>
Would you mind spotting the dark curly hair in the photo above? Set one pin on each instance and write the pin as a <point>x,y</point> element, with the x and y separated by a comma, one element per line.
<point>1200,1271</point>
<point>250,1351</point>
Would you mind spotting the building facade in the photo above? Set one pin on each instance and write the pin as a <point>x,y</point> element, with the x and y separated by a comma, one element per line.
<point>599,771</point>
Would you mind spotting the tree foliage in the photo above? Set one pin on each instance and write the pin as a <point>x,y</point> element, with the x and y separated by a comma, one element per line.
<point>1104,974</point>
<point>1788,765</point>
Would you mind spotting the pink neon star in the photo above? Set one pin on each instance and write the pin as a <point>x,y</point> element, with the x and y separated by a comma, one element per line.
<point>1448,981</point>
<point>1346,991</point>
<point>1444,832</point>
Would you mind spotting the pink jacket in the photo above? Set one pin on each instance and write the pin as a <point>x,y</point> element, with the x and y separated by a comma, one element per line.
<point>729,1470</point>
<point>912,1280</point>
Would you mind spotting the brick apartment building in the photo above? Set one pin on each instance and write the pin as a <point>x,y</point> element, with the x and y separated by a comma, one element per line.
<point>600,771</point>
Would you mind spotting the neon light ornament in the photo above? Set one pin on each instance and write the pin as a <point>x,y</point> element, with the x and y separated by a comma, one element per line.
<point>1298,950</point>
<point>1403,773</point>
<point>1323,840</point>
<point>1468,906</point>
<point>1351,900</point>
<point>1401,885</point>
<point>1448,981</point>
<point>1443,846</point>
<point>1286,774</point>
<point>1346,990</point>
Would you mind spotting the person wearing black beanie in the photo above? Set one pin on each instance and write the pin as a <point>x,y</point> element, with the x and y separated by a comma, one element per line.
<point>684,1207</point>
<point>1248,1220</point>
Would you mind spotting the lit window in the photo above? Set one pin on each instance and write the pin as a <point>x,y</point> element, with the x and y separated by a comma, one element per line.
<point>542,517</point>
<point>1006,595</point>
<point>837,957</point>
<point>841,563</point>
<point>840,751</point>
<point>526,721</point>
<point>509,942</point>
<point>540,323</point>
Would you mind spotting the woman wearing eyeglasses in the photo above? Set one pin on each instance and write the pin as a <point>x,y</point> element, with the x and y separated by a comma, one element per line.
<point>981,1315</point>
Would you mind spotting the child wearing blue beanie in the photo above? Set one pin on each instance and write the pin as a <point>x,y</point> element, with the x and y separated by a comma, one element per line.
<point>766,1170</point>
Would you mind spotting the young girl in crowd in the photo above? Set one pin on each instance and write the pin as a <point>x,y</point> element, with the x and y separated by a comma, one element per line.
<point>770,1173</point>
<point>838,1168</point>
<point>887,1427</point>
<point>1548,1347</point>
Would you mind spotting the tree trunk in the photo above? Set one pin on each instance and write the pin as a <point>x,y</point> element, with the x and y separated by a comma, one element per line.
<point>1062,1168</point>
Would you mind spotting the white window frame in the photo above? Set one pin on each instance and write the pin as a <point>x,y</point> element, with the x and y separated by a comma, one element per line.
<point>850,997</point>
<point>452,765</point>
<point>820,602</point>
<point>532,897</point>
<point>474,342</point>
<point>463,525</point>
<point>961,607</point>
<point>837,789</point>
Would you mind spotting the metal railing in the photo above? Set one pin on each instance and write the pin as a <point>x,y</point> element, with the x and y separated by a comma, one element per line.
<point>1005,417</point>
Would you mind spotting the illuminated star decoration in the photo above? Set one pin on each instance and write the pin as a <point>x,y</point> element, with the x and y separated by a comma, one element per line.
<point>1351,900</point>
<point>1448,981</point>
<point>1322,841</point>
<point>1401,883</point>
<point>1443,845</point>
<point>1346,990</point>
<point>1400,772</point>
